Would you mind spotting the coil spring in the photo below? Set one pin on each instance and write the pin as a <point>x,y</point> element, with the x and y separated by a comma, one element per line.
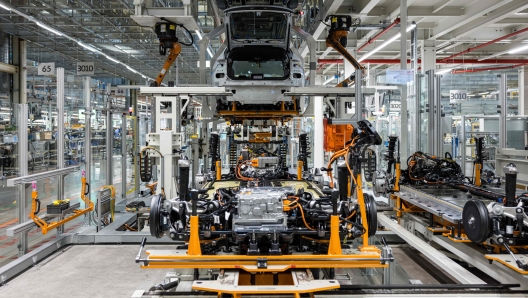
<point>214,149</point>
<point>232,154</point>
<point>284,152</point>
<point>145,168</point>
<point>303,149</point>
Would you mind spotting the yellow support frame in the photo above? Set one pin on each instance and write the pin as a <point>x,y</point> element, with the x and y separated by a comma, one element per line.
<point>45,227</point>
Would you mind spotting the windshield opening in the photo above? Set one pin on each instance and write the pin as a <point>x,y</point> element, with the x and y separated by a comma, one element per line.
<point>258,25</point>
<point>258,63</point>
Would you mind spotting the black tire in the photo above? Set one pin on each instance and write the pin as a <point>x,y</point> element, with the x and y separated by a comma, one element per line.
<point>372,214</point>
<point>292,4</point>
<point>222,4</point>
<point>476,221</point>
<point>155,216</point>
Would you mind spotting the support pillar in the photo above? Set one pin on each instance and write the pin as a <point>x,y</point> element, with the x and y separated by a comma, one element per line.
<point>123,156</point>
<point>20,96</point>
<point>428,55</point>
<point>22,120</point>
<point>109,140</point>
<point>403,65</point>
<point>318,148</point>
<point>87,134</point>
<point>523,90</point>
<point>135,128</point>
<point>349,68</point>
<point>503,142</point>
<point>60,137</point>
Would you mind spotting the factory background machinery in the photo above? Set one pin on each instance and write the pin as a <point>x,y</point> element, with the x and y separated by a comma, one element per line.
<point>260,148</point>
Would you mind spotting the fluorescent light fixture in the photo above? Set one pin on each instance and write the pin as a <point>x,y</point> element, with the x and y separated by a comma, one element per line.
<point>198,33</point>
<point>519,49</point>
<point>387,42</point>
<point>207,64</point>
<point>86,46</point>
<point>50,29</point>
<point>5,7</point>
<point>446,70</point>
<point>112,59</point>
<point>328,81</point>
<point>210,53</point>
<point>131,69</point>
<point>484,93</point>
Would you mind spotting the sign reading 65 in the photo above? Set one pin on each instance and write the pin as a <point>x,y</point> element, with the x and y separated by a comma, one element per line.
<point>46,68</point>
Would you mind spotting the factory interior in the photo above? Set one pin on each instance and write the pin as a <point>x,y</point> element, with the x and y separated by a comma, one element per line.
<point>350,148</point>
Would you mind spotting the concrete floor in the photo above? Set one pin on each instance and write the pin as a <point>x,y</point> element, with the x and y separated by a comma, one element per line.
<point>47,191</point>
<point>85,271</point>
<point>110,271</point>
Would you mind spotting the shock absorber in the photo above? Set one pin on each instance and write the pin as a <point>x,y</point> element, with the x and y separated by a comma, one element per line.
<point>284,151</point>
<point>232,154</point>
<point>303,149</point>
<point>214,149</point>
<point>390,153</point>
<point>184,179</point>
<point>342,180</point>
<point>510,171</point>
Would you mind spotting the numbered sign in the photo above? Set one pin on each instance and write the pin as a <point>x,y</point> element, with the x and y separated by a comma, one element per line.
<point>85,68</point>
<point>457,95</point>
<point>395,106</point>
<point>46,69</point>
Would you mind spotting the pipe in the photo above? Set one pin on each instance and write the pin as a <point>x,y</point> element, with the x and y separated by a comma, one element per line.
<point>457,71</point>
<point>485,44</point>
<point>396,22</point>
<point>458,61</point>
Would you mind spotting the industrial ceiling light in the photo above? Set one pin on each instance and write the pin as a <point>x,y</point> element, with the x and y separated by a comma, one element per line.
<point>50,29</point>
<point>112,59</point>
<point>198,33</point>
<point>131,69</point>
<point>519,49</point>
<point>441,71</point>
<point>5,7</point>
<point>56,32</point>
<point>387,42</point>
<point>210,53</point>
<point>86,46</point>
<point>328,81</point>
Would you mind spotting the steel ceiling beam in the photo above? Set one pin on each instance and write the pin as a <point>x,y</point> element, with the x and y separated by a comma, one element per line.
<point>471,13</point>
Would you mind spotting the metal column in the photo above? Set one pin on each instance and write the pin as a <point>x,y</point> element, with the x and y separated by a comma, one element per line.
<point>135,129</point>
<point>418,117</point>
<point>123,155</point>
<point>22,121</point>
<point>60,136</point>
<point>438,138</point>
<point>430,111</point>
<point>503,142</point>
<point>87,133</point>
<point>462,143</point>
<point>318,141</point>
<point>403,65</point>
<point>109,140</point>
<point>358,95</point>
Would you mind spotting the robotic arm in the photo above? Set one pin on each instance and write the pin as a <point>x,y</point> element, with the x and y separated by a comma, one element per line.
<point>337,39</point>
<point>166,32</point>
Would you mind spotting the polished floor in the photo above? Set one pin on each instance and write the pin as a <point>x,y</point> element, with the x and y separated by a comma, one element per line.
<point>110,271</point>
<point>47,191</point>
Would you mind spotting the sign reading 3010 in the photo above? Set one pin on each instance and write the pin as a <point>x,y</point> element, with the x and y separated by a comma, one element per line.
<point>46,69</point>
<point>85,68</point>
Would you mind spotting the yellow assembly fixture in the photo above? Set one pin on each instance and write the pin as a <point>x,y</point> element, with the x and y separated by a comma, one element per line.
<point>45,226</point>
<point>112,200</point>
<point>300,166</point>
<point>218,170</point>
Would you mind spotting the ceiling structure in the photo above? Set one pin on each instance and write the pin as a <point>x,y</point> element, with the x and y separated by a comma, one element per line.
<point>451,26</point>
